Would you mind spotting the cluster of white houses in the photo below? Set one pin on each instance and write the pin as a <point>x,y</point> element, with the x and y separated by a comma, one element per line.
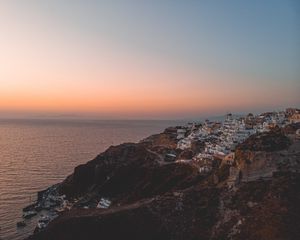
<point>221,138</point>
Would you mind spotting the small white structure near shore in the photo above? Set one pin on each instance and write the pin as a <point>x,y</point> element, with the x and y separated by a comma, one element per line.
<point>104,203</point>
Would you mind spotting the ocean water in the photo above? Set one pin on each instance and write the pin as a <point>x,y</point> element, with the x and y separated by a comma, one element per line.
<point>35,154</point>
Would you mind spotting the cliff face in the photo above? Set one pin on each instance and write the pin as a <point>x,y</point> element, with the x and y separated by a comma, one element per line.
<point>262,155</point>
<point>274,140</point>
<point>154,199</point>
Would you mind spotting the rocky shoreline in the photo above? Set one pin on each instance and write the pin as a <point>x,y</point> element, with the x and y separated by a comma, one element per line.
<point>155,190</point>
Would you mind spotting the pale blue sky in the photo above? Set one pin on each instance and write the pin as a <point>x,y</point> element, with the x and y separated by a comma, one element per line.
<point>254,45</point>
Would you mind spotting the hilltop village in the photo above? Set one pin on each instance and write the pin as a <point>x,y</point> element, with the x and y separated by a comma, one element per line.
<point>219,139</point>
<point>222,179</point>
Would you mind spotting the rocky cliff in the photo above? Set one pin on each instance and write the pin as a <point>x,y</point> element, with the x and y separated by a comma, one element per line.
<point>155,199</point>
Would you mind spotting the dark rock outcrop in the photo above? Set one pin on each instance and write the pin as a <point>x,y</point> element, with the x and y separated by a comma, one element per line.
<point>126,173</point>
<point>106,165</point>
<point>268,141</point>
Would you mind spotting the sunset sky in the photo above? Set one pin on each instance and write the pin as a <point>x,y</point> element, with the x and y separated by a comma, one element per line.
<point>161,59</point>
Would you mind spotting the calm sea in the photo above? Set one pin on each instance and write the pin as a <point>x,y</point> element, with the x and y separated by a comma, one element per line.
<point>35,154</point>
